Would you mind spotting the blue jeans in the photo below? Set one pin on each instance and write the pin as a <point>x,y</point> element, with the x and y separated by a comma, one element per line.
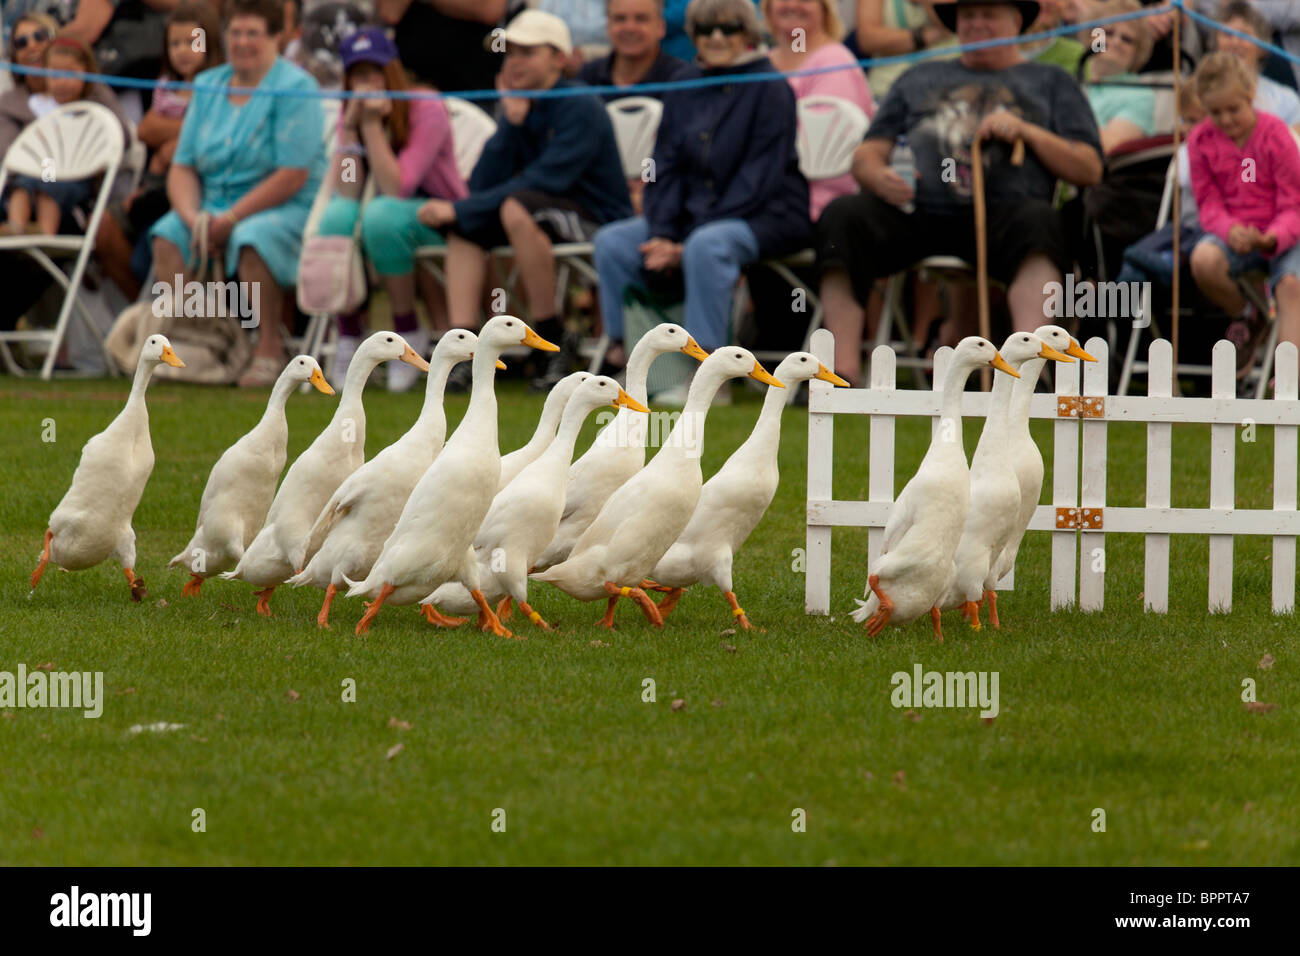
<point>712,257</point>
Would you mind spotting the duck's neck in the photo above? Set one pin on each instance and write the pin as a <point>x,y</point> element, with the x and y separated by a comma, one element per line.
<point>481,416</point>
<point>687,437</point>
<point>279,399</point>
<point>434,392</point>
<point>768,426</point>
<point>567,437</point>
<point>143,372</point>
<point>354,383</point>
<point>995,426</point>
<point>954,383</point>
<point>552,412</point>
<point>638,372</point>
<point>1022,393</point>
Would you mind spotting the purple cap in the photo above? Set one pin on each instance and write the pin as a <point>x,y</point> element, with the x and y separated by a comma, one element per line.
<point>369,45</point>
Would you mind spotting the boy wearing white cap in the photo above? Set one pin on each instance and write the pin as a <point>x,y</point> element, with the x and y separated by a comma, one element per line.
<point>550,173</point>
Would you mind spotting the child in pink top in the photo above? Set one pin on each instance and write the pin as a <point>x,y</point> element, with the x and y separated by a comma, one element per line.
<point>1246,177</point>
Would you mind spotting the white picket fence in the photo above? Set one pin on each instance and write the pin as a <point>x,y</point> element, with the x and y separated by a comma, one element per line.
<point>1078,518</point>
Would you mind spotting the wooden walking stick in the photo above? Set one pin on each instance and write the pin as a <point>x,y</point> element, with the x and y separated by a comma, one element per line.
<point>982,240</point>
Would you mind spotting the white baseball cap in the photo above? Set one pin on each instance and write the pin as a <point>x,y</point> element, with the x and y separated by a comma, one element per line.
<point>536,28</point>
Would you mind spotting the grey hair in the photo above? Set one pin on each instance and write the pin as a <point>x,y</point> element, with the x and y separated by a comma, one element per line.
<point>715,11</point>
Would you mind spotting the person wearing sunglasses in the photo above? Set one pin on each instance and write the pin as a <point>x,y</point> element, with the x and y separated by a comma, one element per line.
<point>726,189</point>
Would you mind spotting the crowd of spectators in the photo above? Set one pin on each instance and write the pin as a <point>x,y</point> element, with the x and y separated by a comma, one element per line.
<point>237,174</point>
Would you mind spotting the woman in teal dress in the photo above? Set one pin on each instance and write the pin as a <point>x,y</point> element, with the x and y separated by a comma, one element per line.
<point>254,164</point>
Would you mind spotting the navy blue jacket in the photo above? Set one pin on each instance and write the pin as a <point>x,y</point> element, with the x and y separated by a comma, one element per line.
<point>564,148</point>
<point>728,152</point>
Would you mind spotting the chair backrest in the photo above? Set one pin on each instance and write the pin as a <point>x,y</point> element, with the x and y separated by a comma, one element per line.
<point>76,141</point>
<point>636,123</point>
<point>830,128</point>
<point>470,129</point>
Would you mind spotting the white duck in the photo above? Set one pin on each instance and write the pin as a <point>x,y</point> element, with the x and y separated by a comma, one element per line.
<point>641,520</point>
<point>280,548</point>
<point>93,521</point>
<point>242,483</point>
<point>994,488</point>
<point>735,499</point>
<point>618,452</point>
<point>351,529</point>
<point>926,521</point>
<point>432,542</point>
<point>552,411</point>
<point>524,516</point>
<point>1025,457</point>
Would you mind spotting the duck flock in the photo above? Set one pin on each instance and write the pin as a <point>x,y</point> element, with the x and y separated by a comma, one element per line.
<point>455,528</point>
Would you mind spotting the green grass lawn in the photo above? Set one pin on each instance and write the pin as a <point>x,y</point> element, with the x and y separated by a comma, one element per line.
<point>1140,715</point>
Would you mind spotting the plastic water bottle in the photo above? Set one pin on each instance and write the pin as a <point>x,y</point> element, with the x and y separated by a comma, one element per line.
<point>903,162</point>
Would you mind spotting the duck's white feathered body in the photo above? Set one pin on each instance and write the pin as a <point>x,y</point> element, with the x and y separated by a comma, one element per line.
<point>734,500</point>
<point>618,452</point>
<point>431,543</point>
<point>241,485</point>
<point>524,516</point>
<point>351,529</point>
<point>994,486</point>
<point>280,548</point>
<point>641,520</point>
<point>552,411</point>
<point>1024,454</point>
<point>926,522</point>
<point>93,519</point>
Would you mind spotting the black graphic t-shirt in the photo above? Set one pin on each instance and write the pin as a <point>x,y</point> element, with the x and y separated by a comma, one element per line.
<point>939,105</point>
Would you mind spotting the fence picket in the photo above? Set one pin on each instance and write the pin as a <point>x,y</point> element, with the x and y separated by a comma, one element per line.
<point>1092,491</point>
<point>1160,375</point>
<point>1065,489</point>
<point>1284,480</point>
<point>821,449</point>
<point>880,474</point>
<point>1223,438</point>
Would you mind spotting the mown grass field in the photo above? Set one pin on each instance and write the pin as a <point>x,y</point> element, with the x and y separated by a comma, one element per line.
<point>1138,715</point>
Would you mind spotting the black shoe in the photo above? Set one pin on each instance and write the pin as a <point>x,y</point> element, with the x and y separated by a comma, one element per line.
<point>558,364</point>
<point>461,377</point>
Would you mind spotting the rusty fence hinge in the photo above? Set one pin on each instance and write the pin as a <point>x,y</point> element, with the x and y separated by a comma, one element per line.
<point>1080,406</point>
<point>1087,519</point>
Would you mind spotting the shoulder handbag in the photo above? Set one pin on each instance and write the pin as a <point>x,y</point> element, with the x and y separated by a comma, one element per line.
<point>332,274</point>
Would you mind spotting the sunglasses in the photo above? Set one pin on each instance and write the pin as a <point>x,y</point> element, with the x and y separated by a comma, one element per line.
<point>729,29</point>
<point>40,36</point>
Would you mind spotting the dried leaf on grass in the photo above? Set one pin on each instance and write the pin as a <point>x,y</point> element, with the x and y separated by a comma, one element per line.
<point>394,750</point>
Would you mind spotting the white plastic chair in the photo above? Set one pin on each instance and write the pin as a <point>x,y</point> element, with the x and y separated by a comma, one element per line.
<point>636,122</point>
<point>471,128</point>
<point>830,128</point>
<point>75,141</point>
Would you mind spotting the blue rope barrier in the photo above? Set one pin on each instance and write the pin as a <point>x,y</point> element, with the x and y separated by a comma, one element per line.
<point>636,89</point>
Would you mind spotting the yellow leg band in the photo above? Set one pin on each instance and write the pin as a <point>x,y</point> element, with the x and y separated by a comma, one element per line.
<point>626,592</point>
<point>535,617</point>
<point>738,612</point>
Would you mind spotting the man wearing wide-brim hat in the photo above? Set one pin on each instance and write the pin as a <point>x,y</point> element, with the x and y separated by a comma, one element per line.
<point>940,107</point>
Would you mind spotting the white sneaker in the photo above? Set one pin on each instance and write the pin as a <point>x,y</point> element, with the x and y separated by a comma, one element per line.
<point>401,375</point>
<point>347,347</point>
